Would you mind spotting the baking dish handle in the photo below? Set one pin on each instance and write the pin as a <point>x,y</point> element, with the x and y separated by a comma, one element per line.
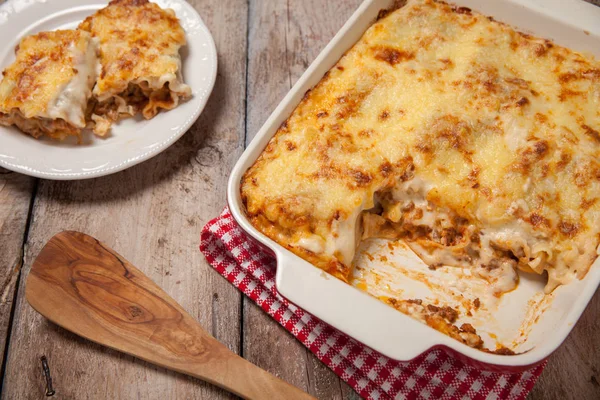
<point>379,326</point>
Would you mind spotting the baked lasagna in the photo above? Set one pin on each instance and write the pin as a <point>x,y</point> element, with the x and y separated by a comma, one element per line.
<point>46,90</point>
<point>477,145</point>
<point>140,66</point>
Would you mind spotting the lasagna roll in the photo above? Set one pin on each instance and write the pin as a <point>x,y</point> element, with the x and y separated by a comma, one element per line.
<point>140,66</point>
<point>46,90</point>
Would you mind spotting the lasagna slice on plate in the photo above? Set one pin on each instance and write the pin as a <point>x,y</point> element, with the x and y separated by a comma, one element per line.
<point>46,90</point>
<point>140,66</point>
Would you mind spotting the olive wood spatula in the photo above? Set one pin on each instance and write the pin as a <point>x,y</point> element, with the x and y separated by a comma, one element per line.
<point>85,287</point>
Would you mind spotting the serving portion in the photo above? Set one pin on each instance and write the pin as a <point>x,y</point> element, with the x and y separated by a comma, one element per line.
<point>128,52</point>
<point>46,90</point>
<point>473,143</point>
<point>149,38</point>
<point>139,61</point>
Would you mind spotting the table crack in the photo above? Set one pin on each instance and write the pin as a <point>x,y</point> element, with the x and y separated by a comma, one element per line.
<point>16,276</point>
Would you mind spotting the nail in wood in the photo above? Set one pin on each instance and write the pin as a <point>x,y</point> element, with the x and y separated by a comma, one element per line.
<point>49,389</point>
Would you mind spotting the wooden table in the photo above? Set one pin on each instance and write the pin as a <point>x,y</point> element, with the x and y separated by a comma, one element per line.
<point>152,214</point>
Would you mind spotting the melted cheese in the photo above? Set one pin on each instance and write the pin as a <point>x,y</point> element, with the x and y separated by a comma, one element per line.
<point>475,143</point>
<point>71,101</point>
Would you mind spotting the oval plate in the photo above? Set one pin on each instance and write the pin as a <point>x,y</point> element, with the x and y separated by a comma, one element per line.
<point>131,141</point>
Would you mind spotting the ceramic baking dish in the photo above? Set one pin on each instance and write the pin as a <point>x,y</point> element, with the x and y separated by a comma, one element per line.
<point>541,322</point>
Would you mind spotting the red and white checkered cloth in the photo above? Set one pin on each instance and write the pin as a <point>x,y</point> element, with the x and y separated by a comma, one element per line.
<point>433,375</point>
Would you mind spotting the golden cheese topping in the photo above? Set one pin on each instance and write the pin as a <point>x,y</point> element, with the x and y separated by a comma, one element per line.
<point>475,143</point>
<point>45,91</point>
<point>140,66</point>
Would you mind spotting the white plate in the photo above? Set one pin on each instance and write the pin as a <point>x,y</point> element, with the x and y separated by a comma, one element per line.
<point>131,141</point>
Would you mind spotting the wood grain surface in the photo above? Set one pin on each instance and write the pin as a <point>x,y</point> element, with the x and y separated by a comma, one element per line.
<point>82,285</point>
<point>153,214</point>
<point>16,192</point>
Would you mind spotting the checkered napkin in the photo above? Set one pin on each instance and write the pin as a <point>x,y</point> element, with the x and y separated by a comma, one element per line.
<point>433,375</point>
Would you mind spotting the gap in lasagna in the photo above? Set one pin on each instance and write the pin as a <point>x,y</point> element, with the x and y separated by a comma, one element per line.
<point>439,236</point>
<point>442,239</point>
<point>451,300</point>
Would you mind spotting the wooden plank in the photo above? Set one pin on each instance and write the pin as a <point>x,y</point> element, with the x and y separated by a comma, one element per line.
<point>151,214</point>
<point>573,371</point>
<point>16,192</point>
<point>284,38</point>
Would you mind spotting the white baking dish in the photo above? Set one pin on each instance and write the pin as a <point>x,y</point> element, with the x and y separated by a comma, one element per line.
<point>572,23</point>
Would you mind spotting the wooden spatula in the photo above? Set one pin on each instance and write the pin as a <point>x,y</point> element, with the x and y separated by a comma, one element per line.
<point>87,288</point>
